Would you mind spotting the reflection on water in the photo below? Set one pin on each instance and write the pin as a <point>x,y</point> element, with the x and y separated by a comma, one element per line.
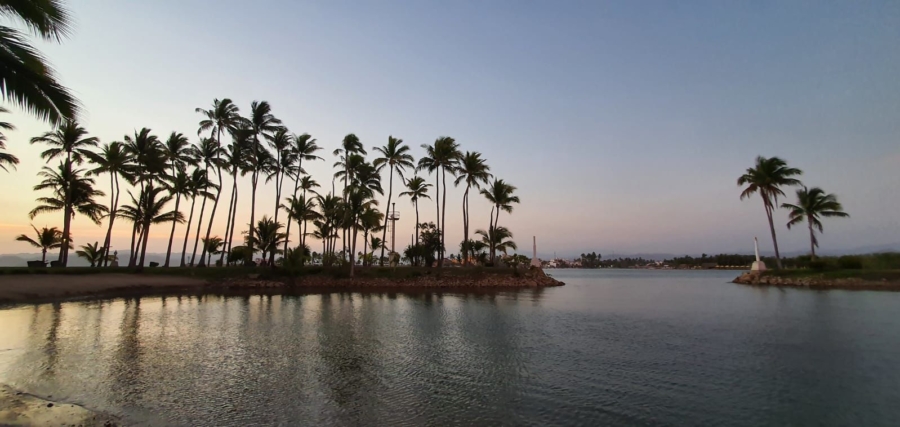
<point>611,347</point>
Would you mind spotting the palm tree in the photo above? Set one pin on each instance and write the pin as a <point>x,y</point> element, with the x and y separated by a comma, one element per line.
<point>303,148</point>
<point>300,209</point>
<point>47,238</point>
<point>92,253</point>
<point>331,213</point>
<point>236,158</point>
<point>498,239</point>
<point>114,160</point>
<point>28,79</point>
<point>444,155</point>
<point>73,192</point>
<point>177,152</point>
<point>263,123</point>
<point>179,185</point>
<point>199,187</point>
<point>213,245</point>
<point>149,209</point>
<point>766,178</point>
<point>375,244</point>
<point>6,158</point>
<point>283,164</point>
<point>370,221</point>
<point>349,145</point>
<point>209,154</point>
<point>500,194</point>
<point>396,156</point>
<point>148,163</point>
<point>69,140</point>
<point>473,170</point>
<point>416,189</point>
<point>811,204</point>
<point>266,236</point>
<point>358,201</point>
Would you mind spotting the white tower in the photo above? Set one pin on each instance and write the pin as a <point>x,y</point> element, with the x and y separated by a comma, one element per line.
<point>758,265</point>
<point>535,262</point>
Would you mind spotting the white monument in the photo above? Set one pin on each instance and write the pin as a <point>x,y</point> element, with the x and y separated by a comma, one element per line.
<point>535,262</point>
<point>758,265</point>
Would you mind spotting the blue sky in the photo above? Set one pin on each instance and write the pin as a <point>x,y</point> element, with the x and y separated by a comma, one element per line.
<point>624,124</point>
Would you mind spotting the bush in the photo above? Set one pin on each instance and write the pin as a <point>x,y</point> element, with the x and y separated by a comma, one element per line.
<point>849,262</point>
<point>818,265</point>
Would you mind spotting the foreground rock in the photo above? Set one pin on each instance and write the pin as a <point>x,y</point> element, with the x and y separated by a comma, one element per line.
<point>754,278</point>
<point>27,288</point>
<point>22,409</point>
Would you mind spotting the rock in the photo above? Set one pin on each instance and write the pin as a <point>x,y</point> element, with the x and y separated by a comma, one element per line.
<point>49,405</point>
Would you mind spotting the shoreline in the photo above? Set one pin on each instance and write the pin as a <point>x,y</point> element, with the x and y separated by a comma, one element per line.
<point>48,288</point>
<point>20,408</point>
<point>816,281</point>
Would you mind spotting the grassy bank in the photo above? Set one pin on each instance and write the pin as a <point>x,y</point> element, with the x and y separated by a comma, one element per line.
<point>869,275</point>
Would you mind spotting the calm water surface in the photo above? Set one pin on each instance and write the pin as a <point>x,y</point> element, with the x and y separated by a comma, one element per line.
<point>611,347</point>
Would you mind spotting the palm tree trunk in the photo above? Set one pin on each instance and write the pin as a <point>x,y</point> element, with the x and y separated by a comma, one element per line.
<point>443,218</point>
<point>387,208</point>
<point>466,226</point>
<point>187,232</point>
<point>352,252</point>
<point>812,240</point>
<point>199,228</point>
<point>417,231</point>
<point>112,193</point>
<point>44,256</point>
<point>366,247</point>
<point>144,246</point>
<point>226,248</point>
<point>172,233</point>
<point>212,215</point>
<point>774,239</point>
<point>134,230</point>
<point>233,218</point>
<point>254,180</point>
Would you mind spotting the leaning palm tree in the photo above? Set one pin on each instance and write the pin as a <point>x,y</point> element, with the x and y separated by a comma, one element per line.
<point>441,157</point>
<point>69,140</point>
<point>146,152</point>
<point>500,194</point>
<point>262,122</point>
<point>209,155</point>
<point>92,253</point>
<point>73,193</point>
<point>199,187</point>
<point>6,159</point>
<point>150,209</point>
<point>115,161</point>
<point>811,204</point>
<point>178,186</point>
<point>498,239</point>
<point>299,209</point>
<point>767,177</point>
<point>395,155</point>
<point>28,79</point>
<point>473,170</point>
<point>236,160</point>
<point>416,189</point>
<point>213,245</point>
<point>304,147</point>
<point>47,238</point>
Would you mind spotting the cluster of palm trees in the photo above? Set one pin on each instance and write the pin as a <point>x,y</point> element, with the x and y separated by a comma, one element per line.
<point>767,178</point>
<point>171,177</point>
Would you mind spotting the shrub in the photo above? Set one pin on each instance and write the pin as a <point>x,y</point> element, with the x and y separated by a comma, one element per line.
<point>849,262</point>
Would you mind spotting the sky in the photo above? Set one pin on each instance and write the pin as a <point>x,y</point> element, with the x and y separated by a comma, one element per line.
<point>624,125</point>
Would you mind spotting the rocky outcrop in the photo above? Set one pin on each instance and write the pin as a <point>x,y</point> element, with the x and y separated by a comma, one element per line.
<point>755,278</point>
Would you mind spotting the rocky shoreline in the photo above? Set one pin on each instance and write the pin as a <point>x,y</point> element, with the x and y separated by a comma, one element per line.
<point>753,278</point>
<point>25,289</point>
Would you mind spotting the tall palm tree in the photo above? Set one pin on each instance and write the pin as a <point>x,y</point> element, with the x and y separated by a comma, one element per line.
<point>331,211</point>
<point>236,159</point>
<point>114,160</point>
<point>149,209</point>
<point>395,155</point>
<point>767,177</point>
<point>370,221</point>
<point>811,204</point>
<point>178,186</point>
<point>358,201</point>
<point>72,192</point>
<point>47,238</point>
<point>263,123</point>
<point>303,147</point>
<point>473,170</point>
<point>416,189</point>
<point>28,79</point>
<point>500,194</point>
<point>209,154</point>
<point>177,152</point>
<point>92,253</point>
<point>441,157</point>
<point>283,164</point>
<point>349,145</point>
<point>6,158</point>
<point>148,163</point>
<point>199,187</point>
<point>69,140</point>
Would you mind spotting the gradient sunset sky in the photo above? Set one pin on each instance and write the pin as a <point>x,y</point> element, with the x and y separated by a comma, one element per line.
<point>623,124</point>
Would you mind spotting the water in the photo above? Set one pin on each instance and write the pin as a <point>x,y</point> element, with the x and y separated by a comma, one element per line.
<point>611,347</point>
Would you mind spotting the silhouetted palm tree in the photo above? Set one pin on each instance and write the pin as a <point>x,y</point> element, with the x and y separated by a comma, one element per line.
<point>303,148</point>
<point>300,209</point>
<point>441,157</point>
<point>266,236</point>
<point>811,204</point>
<point>358,201</point>
<point>500,194</point>
<point>498,239</point>
<point>208,154</point>
<point>149,164</point>
<point>28,79</point>
<point>350,145</point>
<point>199,187</point>
<point>114,160</point>
<point>149,209</point>
<point>369,221</point>
<point>767,177</point>
<point>69,140</point>
<point>473,170</point>
<point>416,189</point>
<point>236,159</point>
<point>283,164</point>
<point>6,159</point>
<point>395,155</point>
<point>47,238</point>
<point>73,192</point>
<point>92,253</point>
<point>178,186</point>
